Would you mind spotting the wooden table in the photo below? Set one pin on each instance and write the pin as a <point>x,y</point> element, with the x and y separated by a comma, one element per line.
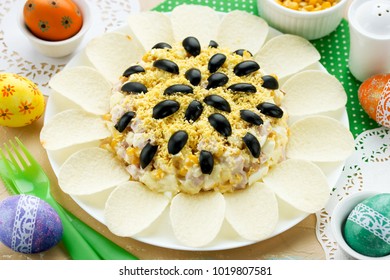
<point>299,242</point>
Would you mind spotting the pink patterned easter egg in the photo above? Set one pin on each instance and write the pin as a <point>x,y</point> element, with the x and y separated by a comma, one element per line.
<point>28,224</point>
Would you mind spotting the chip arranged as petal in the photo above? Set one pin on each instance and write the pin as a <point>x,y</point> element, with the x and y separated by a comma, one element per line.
<point>300,183</point>
<point>319,139</point>
<point>131,208</point>
<point>151,28</point>
<point>90,171</point>
<point>240,30</point>
<point>313,92</point>
<point>80,127</point>
<point>286,54</point>
<point>193,20</point>
<point>91,91</point>
<point>252,212</point>
<point>197,219</point>
<point>113,52</point>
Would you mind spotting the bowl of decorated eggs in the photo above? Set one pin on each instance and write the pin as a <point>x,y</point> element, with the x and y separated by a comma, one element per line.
<point>55,28</point>
<point>361,225</point>
<point>311,19</point>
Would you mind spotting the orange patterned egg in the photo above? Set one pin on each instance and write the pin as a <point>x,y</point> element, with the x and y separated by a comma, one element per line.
<point>52,20</point>
<point>21,101</point>
<point>374,96</point>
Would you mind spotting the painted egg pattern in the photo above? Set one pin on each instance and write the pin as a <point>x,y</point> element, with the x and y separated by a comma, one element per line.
<point>28,224</point>
<point>52,20</point>
<point>367,229</point>
<point>374,96</point>
<point>21,101</point>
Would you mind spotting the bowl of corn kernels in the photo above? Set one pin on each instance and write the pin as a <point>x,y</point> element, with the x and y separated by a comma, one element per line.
<point>311,19</point>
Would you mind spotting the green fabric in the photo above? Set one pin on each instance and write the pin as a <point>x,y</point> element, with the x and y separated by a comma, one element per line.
<point>334,50</point>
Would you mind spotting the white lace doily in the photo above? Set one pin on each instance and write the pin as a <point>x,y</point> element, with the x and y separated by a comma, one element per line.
<point>18,55</point>
<point>368,169</point>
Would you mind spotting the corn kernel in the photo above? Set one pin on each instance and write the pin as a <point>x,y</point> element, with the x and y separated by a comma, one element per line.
<point>107,117</point>
<point>182,172</point>
<point>302,4</point>
<point>309,8</point>
<point>158,174</point>
<point>307,5</point>
<point>133,154</point>
<point>192,160</point>
<point>292,5</point>
<point>326,5</point>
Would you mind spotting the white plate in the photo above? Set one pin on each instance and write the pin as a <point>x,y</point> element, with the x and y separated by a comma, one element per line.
<point>160,233</point>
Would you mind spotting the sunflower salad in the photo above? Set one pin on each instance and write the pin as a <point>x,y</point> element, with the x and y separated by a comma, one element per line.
<point>192,116</point>
<point>189,119</point>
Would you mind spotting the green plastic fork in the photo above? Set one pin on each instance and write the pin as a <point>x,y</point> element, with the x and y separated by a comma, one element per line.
<point>81,241</point>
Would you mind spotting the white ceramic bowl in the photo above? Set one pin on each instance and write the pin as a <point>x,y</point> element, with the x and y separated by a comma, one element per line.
<point>63,47</point>
<point>310,25</point>
<point>340,215</point>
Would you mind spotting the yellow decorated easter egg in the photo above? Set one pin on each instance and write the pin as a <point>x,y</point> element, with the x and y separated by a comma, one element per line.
<point>21,101</point>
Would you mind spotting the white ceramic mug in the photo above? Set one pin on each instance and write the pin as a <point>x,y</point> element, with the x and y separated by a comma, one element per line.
<point>369,25</point>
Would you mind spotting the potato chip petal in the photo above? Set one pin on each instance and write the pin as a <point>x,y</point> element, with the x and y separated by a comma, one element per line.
<point>113,52</point>
<point>193,20</point>
<point>91,170</point>
<point>151,28</point>
<point>197,219</point>
<point>300,183</point>
<point>80,126</point>
<point>240,30</point>
<point>313,92</point>
<point>319,139</point>
<point>132,207</point>
<point>252,212</point>
<point>286,54</point>
<point>91,92</point>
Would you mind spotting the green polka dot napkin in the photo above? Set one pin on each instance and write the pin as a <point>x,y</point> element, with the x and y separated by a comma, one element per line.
<point>334,50</point>
<point>249,6</point>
